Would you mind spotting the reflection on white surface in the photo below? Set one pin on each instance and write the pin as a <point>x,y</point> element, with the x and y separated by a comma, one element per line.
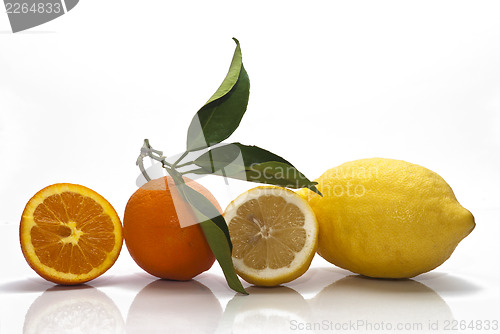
<point>350,304</point>
<point>316,303</point>
<point>372,305</point>
<point>447,284</point>
<point>80,309</point>
<point>264,310</point>
<point>325,297</point>
<point>174,307</point>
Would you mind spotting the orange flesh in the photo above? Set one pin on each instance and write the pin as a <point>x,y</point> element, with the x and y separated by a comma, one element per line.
<point>72,234</point>
<point>269,242</point>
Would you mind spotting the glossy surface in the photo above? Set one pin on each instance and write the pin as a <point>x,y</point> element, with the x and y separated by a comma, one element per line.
<point>463,292</point>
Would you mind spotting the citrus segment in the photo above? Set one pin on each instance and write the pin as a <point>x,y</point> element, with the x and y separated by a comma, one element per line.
<point>274,235</point>
<point>70,234</point>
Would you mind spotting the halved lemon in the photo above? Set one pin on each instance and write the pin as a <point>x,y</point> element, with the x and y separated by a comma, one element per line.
<point>274,234</point>
<point>70,234</point>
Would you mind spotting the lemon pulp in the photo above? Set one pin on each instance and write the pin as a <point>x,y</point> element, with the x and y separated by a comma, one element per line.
<point>274,235</point>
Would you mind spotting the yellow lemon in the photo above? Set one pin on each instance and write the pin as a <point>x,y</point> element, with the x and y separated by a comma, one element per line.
<point>274,234</point>
<point>387,218</point>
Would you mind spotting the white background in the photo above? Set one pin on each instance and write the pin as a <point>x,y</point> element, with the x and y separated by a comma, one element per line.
<point>331,82</point>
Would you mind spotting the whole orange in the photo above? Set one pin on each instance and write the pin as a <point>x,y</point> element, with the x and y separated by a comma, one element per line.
<point>162,234</point>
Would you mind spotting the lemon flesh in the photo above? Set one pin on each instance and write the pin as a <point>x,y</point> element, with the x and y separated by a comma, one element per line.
<point>387,218</point>
<point>274,235</point>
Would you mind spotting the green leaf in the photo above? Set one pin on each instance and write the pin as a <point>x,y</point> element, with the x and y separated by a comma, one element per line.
<point>222,253</point>
<point>222,113</point>
<point>235,153</point>
<point>280,174</point>
<point>219,157</point>
<point>214,227</point>
<point>202,205</point>
<point>254,164</point>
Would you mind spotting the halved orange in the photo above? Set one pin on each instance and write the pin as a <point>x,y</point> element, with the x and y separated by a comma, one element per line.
<point>70,234</point>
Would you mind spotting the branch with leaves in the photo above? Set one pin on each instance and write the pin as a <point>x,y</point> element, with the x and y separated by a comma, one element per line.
<point>211,125</point>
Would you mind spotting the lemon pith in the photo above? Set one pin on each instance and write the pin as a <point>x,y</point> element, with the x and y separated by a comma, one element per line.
<point>274,235</point>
